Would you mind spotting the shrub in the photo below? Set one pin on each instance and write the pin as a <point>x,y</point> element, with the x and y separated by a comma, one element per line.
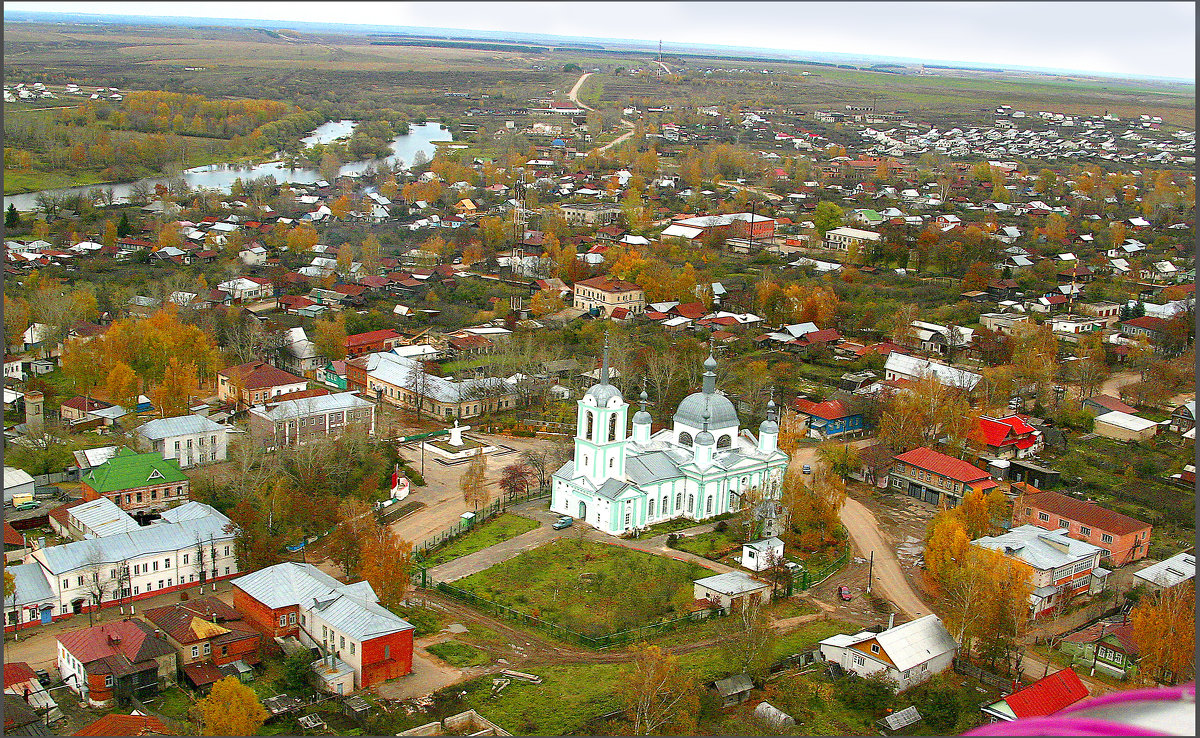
<point>873,693</point>
<point>941,708</point>
<point>721,527</point>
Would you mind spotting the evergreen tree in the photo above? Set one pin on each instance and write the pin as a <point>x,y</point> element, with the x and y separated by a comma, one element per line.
<point>12,218</point>
<point>123,227</point>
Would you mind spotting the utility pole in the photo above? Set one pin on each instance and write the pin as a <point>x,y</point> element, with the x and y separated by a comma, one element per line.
<point>1096,648</point>
<point>871,572</point>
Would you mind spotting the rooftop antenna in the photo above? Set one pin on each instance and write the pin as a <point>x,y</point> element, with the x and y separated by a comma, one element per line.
<point>660,51</point>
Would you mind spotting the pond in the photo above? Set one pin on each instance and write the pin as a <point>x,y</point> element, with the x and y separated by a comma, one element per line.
<point>221,176</point>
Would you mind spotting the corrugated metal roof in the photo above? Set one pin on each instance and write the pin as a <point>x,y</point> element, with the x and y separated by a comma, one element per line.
<point>352,609</point>
<point>1047,695</point>
<point>309,405</point>
<point>1038,547</point>
<point>161,537</point>
<point>102,518</point>
<point>1178,568</point>
<point>916,642</point>
<point>32,587</point>
<point>184,425</point>
<point>732,583</point>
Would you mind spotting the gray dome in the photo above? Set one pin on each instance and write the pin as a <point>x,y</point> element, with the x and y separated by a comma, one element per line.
<point>641,416</point>
<point>704,438</point>
<point>768,426</point>
<point>721,413</point>
<point>602,393</point>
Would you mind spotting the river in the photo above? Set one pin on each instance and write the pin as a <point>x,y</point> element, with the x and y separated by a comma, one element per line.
<point>221,176</point>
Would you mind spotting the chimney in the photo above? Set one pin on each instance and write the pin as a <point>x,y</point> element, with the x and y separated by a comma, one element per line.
<point>891,620</point>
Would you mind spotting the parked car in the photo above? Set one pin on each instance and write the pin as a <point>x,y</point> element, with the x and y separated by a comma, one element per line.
<point>844,593</point>
<point>28,505</point>
<point>563,523</point>
<point>806,469</point>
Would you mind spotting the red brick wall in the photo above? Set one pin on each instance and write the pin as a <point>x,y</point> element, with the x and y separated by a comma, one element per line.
<point>375,669</point>
<point>262,618</point>
<point>246,649</point>
<point>1125,548</point>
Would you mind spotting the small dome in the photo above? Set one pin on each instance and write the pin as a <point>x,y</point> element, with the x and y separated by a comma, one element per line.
<point>768,426</point>
<point>710,364</point>
<point>602,393</point>
<point>721,411</point>
<point>704,438</point>
<point>641,416</point>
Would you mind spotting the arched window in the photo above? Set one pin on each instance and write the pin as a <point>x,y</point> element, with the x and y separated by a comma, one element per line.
<point>685,439</point>
<point>691,502</point>
<point>650,509</point>
<point>708,506</point>
<point>612,427</point>
<point>725,441</point>
<point>678,501</point>
<point>591,421</point>
<point>733,502</point>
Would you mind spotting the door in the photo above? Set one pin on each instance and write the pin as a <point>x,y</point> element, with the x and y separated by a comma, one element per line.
<point>914,490</point>
<point>47,613</point>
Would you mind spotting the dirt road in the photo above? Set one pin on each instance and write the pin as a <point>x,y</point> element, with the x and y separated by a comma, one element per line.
<point>574,93</point>
<point>574,96</point>
<point>888,576</point>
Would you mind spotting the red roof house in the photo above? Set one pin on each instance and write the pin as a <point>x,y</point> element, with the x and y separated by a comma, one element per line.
<point>117,724</point>
<point>928,475</point>
<point>1125,539</point>
<point>1007,438</point>
<point>1044,697</point>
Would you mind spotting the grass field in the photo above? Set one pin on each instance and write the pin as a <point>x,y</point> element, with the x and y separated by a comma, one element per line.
<point>458,654</point>
<point>494,531</point>
<point>591,588</point>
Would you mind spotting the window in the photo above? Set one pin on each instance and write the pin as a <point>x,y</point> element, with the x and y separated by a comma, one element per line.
<point>590,417</point>
<point>324,632</point>
<point>166,563</point>
<point>207,648</point>
<point>341,641</point>
<point>627,520</point>
<point>1105,538</point>
<point>155,564</point>
<point>859,660</point>
<point>708,506</point>
<point>678,500</point>
<point>1084,530</point>
<point>282,620</point>
<point>1044,517</point>
<point>195,652</point>
<point>177,447</point>
<point>874,648</point>
<point>224,650</point>
<point>185,559</point>
<point>66,584</point>
<point>650,509</point>
<point>387,652</point>
<point>612,427</point>
<point>108,680</point>
<point>291,618</point>
<point>351,648</point>
<point>1064,523</point>
<point>302,623</point>
<point>685,439</point>
<point>154,494</point>
<point>80,581</point>
<point>227,550</point>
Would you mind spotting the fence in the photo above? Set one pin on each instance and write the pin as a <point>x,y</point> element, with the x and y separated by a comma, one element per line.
<point>812,579</point>
<point>570,636</point>
<point>986,677</point>
<point>485,513</point>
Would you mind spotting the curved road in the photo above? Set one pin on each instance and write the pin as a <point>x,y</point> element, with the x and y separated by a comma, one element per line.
<point>574,96</point>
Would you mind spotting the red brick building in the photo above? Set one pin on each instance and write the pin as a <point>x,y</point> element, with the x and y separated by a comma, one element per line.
<point>345,621</point>
<point>115,661</point>
<point>207,634</point>
<point>1124,539</point>
<point>936,478</point>
<point>256,382</point>
<point>371,342</point>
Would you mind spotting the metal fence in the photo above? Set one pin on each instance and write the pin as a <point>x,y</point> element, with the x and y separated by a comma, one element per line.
<point>966,668</point>
<point>570,636</point>
<point>482,514</point>
<point>812,579</point>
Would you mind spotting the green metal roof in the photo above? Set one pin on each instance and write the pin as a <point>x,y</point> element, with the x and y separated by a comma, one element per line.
<point>129,470</point>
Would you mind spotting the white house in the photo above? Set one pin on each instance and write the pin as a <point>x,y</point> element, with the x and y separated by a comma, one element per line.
<point>16,482</point>
<point>732,590</point>
<point>193,439</point>
<point>908,654</point>
<point>247,288</point>
<point>902,366</point>
<point>759,555</point>
<point>1062,566</point>
<point>253,256</point>
<point>698,468</point>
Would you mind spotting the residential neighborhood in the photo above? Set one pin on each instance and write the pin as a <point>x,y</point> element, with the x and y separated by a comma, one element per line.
<point>520,386</point>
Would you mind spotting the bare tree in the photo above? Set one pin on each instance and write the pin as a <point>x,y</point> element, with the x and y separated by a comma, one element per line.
<point>99,578</point>
<point>748,640</point>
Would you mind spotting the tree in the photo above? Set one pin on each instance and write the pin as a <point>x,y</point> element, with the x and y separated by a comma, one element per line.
<point>841,458</point>
<point>329,337</point>
<point>473,484</point>
<point>356,521</point>
<point>540,463</point>
<point>903,331</point>
<point>1164,629</point>
<point>297,670</point>
<point>123,227</point>
<point>747,641</point>
<point>122,386</point>
<point>387,565</point>
<point>658,693</point>
<point>173,396</point>
<point>924,415</point>
<point>12,218</point>
<point>515,481</point>
<point>826,217</point>
<point>231,708</point>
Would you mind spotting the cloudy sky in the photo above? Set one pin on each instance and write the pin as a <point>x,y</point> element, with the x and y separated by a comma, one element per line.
<point>1156,39</point>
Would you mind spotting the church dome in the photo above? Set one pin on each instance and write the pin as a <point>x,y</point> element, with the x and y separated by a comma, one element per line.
<point>721,412</point>
<point>602,393</point>
<point>768,426</point>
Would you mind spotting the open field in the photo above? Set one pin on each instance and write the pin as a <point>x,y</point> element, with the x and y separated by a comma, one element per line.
<point>489,534</point>
<point>589,587</point>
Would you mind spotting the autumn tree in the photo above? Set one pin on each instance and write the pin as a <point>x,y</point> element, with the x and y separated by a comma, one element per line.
<point>121,386</point>
<point>1164,629</point>
<point>658,693</point>
<point>1035,356</point>
<point>826,217</point>
<point>840,458</point>
<point>173,395</point>
<point>515,481</point>
<point>329,337</point>
<point>473,484</point>
<point>355,523</point>
<point>231,708</point>
<point>747,641</point>
<point>925,414</point>
<point>387,565</point>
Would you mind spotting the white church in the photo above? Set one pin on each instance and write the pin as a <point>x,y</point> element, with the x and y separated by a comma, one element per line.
<point>698,468</point>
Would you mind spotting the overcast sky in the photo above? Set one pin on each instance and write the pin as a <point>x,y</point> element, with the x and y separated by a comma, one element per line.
<point>1155,39</point>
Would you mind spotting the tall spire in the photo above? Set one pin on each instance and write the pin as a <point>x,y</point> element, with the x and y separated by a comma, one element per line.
<point>710,375</point>
<point>644,398</point>
<point>604,362</point>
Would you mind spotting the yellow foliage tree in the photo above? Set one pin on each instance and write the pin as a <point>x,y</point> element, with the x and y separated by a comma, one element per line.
<point>231,708</point>
<point>386,565</point>
<point>173,395</point>
<point>1164,629</point>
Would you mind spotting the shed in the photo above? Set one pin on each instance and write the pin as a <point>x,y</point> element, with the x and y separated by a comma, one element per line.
<point>768,713</point>
<point>1124,427</point>
<point>17,482</point>
<point>759,555</point>
<point>731,589</point>
<point>733,690</point>
<point>900,720</point>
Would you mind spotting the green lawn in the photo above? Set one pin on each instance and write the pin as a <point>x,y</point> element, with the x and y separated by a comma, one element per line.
<point>712,545</point>
<point>591,588</point>
<point>494,531</point>
<point>458,654</point>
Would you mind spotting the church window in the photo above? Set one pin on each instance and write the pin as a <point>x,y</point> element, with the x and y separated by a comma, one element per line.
<point>708,506</point>
<point>612,427</point>
<point>664,504</point>
<point>725,441</point>
<point>591,421</point>
<point>611,462</point>
<point>650,509</point>
<point>627,521</point>
<point>691,502</point>
<point>733,501</point>
<point>685,439</point>
<point>678,500</point>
